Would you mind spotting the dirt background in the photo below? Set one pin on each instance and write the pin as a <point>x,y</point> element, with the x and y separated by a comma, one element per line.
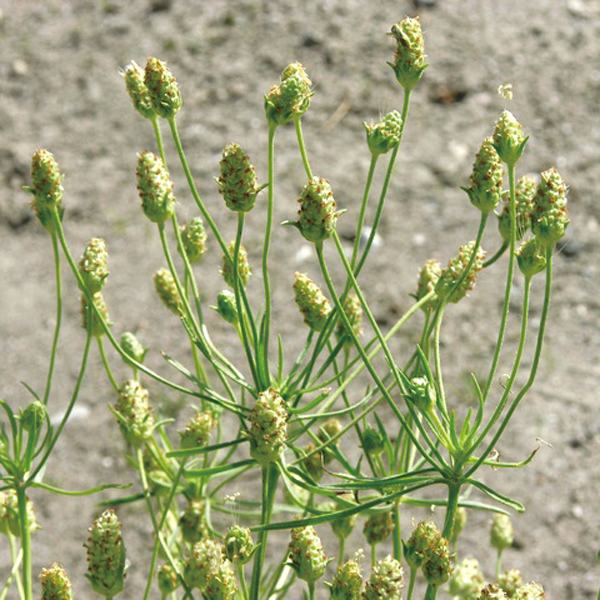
<point>60,88</point>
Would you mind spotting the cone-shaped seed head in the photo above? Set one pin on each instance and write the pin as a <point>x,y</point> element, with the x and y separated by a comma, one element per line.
<point>530,591</point>
<point>311,301</point>
<point>306,554</point>
<point>549,220</point>
<point>244,268</point>
<point>501,533</point>
<point>378,527</point>
<point>196,433</point>
<point>132,347</point>
<point>163,89</point>
<point>93,265</point>
<point>206,557</point>
<point>221,583</point>
<point>166,289</point>
<point>372,441</point>
<point>417,548</point>
<point>492,592</point>
<point>155,188</point>
<point>267,427</point>
<point>386,581</point>
<point>137,90</point>
<point>524,195</point>
<point>510,581</point>
<point>438,567</point>
<point>137,420</point>
<point>531,257</point>
<point>237,183</point>
<point>33,416</point>
<point>100,304</point>
<point>106,555</point>
<point>409,59</point>
<point>347,583</point>
<point>193,238</point>
<point>353,310</point>
<point>168,580</point>
<point>55,584</point>
<point>46,187</point>
<point>193,521</point>
<point>238,545</point>
<point>467,580</point>
<point>454,271</point>
<point>428,278</point>
<point>509,139</point>
<point>486,178</point>
<point>385,135</point>
<point>291,98</point>
<point>317,214</point>
<point>422,393</point>
<point>226,306</point>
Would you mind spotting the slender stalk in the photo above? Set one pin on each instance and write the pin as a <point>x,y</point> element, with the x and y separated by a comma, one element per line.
<point>411,583</point>
<point>25,529</point>
<point>242,579</point>
<point>311,590</point>
<point>16,559</point>
<point>107,368</point>
<point>490,261</point>
<point>397,532</point>
<point>363,209</point>
<point>298,126</point>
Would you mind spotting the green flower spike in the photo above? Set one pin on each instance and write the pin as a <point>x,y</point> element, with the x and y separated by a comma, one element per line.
<point>291,98</point>
<point>239,546</point>
<point>244,268</point>
<point>132,347</point>
<point>168,580</point>
<point>454,271</point>
<point>237,184</point>
<point>311,301</point>
<point>524,194</point>
<point>354,312</point>
<point>347,583</point>
<point>9,514</point>
<point>46,188</point>
<point>134,413</point>
<point>167,290</point>
<point>137,90</point>
<point>100,304</point>
<point>531,257</point>
<point>193,238</point>
<point>549,220</point>
<point>267,427</point>
<point>509,139</point>
<point>467,580</point>
<point>193,521</point>
<point>33,416</point>
<point>92,265</point>
<point>386,581</point>
<point>55,584</point>
<point>196,434</point>
<point>492,592</point>
<point>409,59</point>
<point>385,135</point>
<point>438,567</point>
<point>328,430</point>
<point>428,278</point>
<point>155,188</point>
<point>226,306</point>
<point>530,591</point>
<point>422,394</point>
<point>486,178</point>
<point>163,89</point>
<point>206,557</point>
<point>221,583</point>
<point>106,555</point>
<point>510,581</point>
<point>501,534</point>
<point>317,212</point>
<point>378,527</point>
<point>306,555</point>
<point>417,548</point>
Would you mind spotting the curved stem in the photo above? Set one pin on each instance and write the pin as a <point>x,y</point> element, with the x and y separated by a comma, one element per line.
<point>16,559</point>
<point>107,368</point>
<point>499,253</point>
<point>302,147</point>
<point>363,210</point>
<point>58,317</point>
<point>25,530</point>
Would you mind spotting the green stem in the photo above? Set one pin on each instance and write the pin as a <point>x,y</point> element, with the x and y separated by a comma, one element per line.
<point>242,578</point>
<point>16,559</point>
<point>311,590</point>
<point>302,147</point>
<point>490,261</point>
<point>107,368</point>
<point>397,533</point>
<point>451,506</point>
<point>499,564</point>
<point>363,210</point>
<point>25,530</point>
<point>411,583</point>
<point>58,317</point>
<point>341,550</point>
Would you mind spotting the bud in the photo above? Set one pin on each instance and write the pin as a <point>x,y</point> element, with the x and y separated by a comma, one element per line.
<point>372,441</point>
<point>193,238</point>
<point>238,545</point>
<point>385,135</point>
<point>428,278</point>
<point>454,271</point>
<point>106,555</point>
<point>386,581</point>
<point>46,187</point>
<point>501,534</point>
<point>155,188</point>
<point>343,527</point>
<point>55,584</point>
<point>347,583</point>
<point>438,567</point>
<point>530,591</point>
<point>196,434</point>
<point>492,592</point>
<point>226,306</point>
<point>549,220</point>
<point>524,194</point>
<point>378,527</point>
<point>510,581</point>
<point>424,537</point>
<point>33,416</point>
<point>311,301</point>
<point>313,463</point>
<point>244,268</point>
<point>422,393</point>
<point>163,89</point>
<point>168,580</point>
<point>267,427</point>
<point>166,289</point>
<point>509,139</point>
<point>221,583</point>
<point>100,304</point>
<point>237,184</point>
<point>92,265</point>
<point>291,98</point>
<point>328,430</point>
<point>137,90</point>
<point>193,521</point>
<point>134,413</point>
<point>132,347</point>
<point>317,211</point>
<point>354,312</point>
<point>486,179</point>
<point>531,257</point>
<point>306,554</point>
<point>409,59</point>
<point>467,580</point>
<point>205,559</point>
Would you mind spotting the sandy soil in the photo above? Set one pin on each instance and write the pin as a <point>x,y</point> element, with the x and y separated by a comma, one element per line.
<point>60,88</point>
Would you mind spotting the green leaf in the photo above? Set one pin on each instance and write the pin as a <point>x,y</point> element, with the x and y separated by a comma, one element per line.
<point>95,490</point>
<point>514,504</point>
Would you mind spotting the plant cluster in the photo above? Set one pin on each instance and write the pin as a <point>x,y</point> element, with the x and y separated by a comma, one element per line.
<point>294,427</point>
